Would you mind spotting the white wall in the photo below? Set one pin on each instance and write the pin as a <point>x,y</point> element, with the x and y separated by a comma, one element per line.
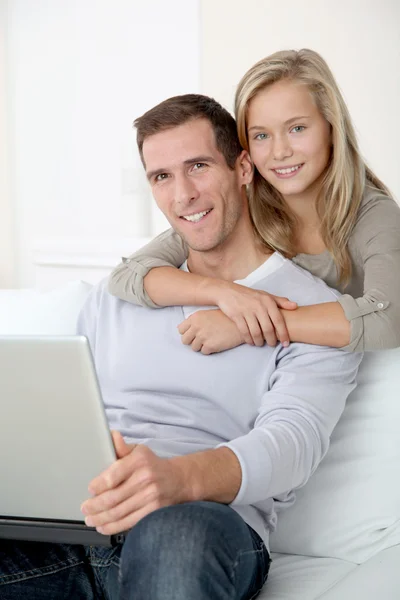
<point>80,71</point>
<point>7,255</point>
<point>360,40</point>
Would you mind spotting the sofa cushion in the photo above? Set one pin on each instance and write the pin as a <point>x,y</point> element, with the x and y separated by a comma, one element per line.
<point>306,578</point>
<point>303,577</point>
<point>350,508</point>
<point>28,312</point>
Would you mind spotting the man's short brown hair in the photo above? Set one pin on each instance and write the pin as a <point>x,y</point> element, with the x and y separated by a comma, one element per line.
<point>179,110</point>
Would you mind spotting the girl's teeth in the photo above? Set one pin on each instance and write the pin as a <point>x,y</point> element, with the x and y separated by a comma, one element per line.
<point>286,171</point>
<point>196,217</point>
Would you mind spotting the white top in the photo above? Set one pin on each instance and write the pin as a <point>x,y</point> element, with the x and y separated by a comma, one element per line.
<point>274,407</point>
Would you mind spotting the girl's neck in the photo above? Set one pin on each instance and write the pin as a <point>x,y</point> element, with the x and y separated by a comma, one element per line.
<point>305,210</point>
<point>307,233</point>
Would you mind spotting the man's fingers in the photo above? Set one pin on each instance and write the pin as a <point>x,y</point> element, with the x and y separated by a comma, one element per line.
<point>127,522</point>
<point>113,476</point>
<point>107,502</point>
<point>129,501</point>
<point>121,447</point>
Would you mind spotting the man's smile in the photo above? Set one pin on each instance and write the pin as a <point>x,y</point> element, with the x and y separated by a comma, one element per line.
<point>196,217</point>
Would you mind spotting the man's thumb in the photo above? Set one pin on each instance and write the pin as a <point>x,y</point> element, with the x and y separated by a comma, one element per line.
<point>121,448</point>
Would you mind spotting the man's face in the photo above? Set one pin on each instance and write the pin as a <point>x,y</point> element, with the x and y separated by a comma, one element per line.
<point>192,184</point>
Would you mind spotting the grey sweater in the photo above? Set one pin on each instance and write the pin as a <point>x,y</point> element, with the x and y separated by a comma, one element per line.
<point>371,300</point>
<point>275,408</point>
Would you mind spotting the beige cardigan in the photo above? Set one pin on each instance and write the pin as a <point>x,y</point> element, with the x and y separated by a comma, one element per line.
<point>371,300</point>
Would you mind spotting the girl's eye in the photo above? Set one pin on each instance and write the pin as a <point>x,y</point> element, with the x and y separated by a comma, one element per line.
<point>261,136</point>
<point>298,128</point>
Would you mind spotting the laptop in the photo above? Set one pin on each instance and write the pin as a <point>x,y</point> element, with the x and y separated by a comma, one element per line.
<point>54,439</point>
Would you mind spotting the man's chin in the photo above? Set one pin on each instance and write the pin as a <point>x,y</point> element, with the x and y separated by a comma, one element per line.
<point>200,245</point>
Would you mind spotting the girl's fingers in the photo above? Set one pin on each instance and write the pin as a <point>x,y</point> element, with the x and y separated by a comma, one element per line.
<point>188,337</point>
<point>255,329</point>
<point>241,324</point>
<point>285,303</point>
<point>196,344</point>
<point>184,326</point>
<point>279,325</point>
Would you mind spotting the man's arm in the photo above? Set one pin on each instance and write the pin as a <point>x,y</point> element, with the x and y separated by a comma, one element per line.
<point>306,396</point>
<point>291,435</point>
<point>87,320</point>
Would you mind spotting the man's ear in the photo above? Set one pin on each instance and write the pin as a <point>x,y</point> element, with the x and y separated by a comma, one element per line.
<point>245,168</point>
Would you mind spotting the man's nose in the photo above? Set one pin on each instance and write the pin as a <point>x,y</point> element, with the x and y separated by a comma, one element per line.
<point>282,148</point>
<point>185,190</point>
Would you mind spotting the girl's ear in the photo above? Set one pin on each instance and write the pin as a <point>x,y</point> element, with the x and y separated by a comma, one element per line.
<point>246,168</point>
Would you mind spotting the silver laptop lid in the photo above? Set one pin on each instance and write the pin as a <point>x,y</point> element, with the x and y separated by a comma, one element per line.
<point>54,436</point>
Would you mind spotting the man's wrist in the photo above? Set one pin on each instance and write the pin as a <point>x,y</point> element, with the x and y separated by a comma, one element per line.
<point>192,486</point>
<point>213,475</point>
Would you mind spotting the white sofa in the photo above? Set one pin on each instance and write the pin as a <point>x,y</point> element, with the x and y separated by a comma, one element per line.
<point>341,539</point>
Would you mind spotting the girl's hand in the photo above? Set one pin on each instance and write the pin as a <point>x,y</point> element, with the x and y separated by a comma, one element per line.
<point>209,331</point>
<point>255,313</point>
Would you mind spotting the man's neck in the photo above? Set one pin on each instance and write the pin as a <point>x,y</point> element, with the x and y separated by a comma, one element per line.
<point>235,259</point>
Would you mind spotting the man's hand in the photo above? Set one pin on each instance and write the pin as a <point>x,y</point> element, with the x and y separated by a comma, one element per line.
<point>138,483</point>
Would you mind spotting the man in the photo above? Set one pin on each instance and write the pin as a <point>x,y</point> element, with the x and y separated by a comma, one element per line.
<point>209,447</point>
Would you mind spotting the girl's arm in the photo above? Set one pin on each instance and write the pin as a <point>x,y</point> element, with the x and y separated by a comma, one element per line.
<point>150,277</point>
<point>137,280</point>
<point>370,322</point>
<point>375,317</point>
<point>127,279</point>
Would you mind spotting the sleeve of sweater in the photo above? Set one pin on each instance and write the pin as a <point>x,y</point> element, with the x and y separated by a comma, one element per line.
<point>87,319</point>
<point>305,398</point>
<point>375,316</point>
<point>126,281</point>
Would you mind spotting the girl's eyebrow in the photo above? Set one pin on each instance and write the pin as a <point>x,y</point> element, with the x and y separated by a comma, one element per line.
<point>291,120</point>
<point>296,119</point>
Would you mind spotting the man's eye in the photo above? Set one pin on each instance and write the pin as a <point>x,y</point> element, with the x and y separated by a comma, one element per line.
<point>261,136</point>
<point>160,177</point>
<point>298,128</point>
<point>199,165</point>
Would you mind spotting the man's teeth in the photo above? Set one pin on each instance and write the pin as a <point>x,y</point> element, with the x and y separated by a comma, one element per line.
<point>196,217</point>
<point>286,171</point>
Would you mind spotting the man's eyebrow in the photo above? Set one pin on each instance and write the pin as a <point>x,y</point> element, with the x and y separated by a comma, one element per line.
<point>292,120</point>
<point>189,161</point>
<point>151,174</point>
<point>200,159</point>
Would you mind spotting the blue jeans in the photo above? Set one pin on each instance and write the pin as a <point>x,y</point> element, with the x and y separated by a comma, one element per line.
<point>192,551</point>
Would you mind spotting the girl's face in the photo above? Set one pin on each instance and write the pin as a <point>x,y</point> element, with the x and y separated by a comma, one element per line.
<point>289,139</point>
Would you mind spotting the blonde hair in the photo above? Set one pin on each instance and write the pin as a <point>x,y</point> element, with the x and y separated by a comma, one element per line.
<point>346,176</point>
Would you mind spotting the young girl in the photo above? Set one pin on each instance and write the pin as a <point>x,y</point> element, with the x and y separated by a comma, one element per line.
<point>314,200</point>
